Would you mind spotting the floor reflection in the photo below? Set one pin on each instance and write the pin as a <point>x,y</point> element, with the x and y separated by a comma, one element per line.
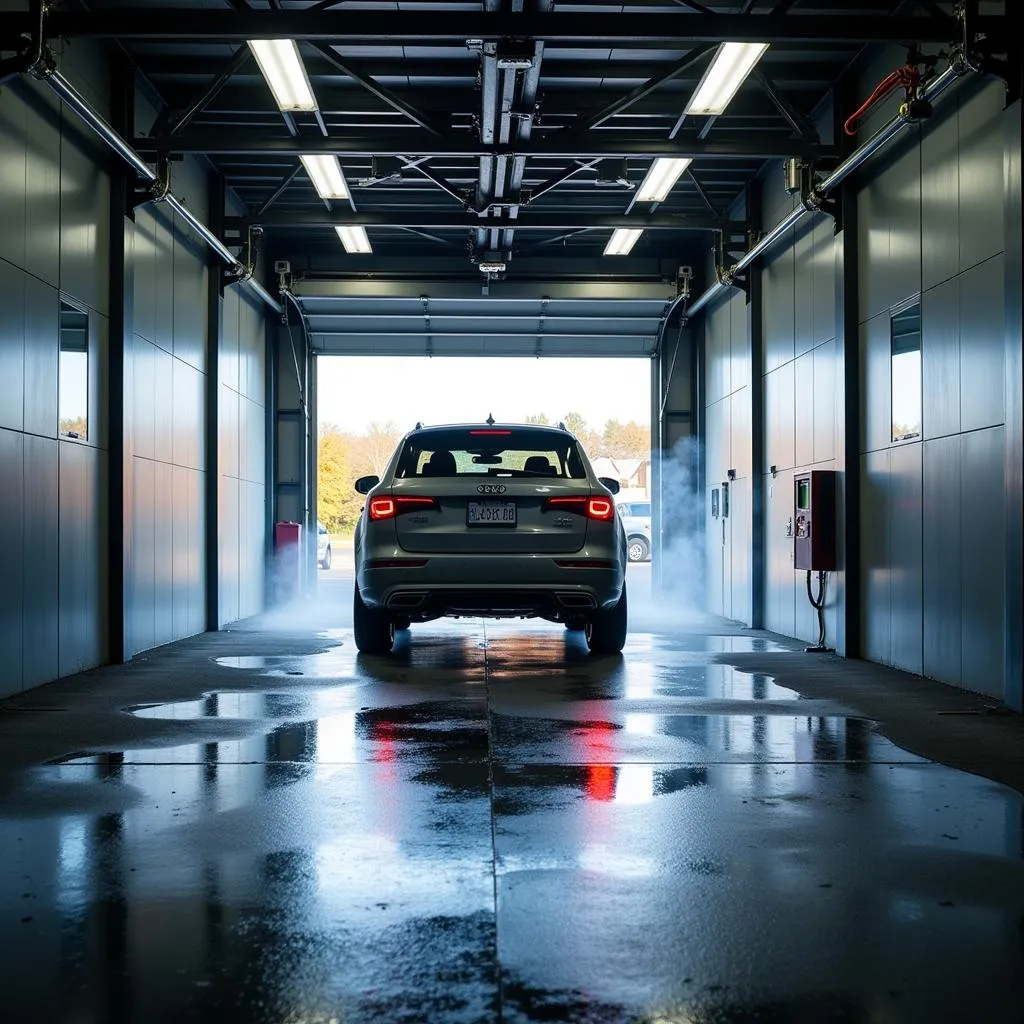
<point>513,832</point>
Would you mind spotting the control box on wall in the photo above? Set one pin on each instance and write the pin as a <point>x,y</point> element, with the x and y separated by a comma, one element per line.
<point>814,519</point>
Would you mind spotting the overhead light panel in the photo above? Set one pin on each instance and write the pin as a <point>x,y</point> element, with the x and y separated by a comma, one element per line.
<point>353,237</point>
<point>325,172</point>
<point>725,74</point>
<point>285,73</point>
<point>664,173</point>
<point>622,240</point>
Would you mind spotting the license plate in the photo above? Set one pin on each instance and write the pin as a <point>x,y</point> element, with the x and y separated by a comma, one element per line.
<point>491,513</point>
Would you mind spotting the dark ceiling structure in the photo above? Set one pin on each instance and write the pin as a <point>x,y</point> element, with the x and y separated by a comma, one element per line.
<point>507,130</point>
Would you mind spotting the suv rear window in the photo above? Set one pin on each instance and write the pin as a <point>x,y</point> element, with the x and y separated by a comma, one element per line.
<point>483,451</point>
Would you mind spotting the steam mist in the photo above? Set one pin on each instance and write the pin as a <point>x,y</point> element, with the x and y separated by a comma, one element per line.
<point>678,589</point>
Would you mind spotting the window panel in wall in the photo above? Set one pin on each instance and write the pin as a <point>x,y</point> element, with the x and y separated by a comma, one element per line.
<point>73,393</point>
<point>905,335</point>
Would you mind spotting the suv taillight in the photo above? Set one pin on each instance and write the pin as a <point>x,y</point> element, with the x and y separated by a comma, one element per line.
<point>601,509</point>
<point>388,508</point>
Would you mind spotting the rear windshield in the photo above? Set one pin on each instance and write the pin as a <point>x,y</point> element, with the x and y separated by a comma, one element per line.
<point>486,452</point>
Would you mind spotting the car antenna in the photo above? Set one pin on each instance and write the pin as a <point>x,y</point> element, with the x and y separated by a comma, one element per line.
<point>419,425</point>
<point>490,419</point>
<point>562,426</point>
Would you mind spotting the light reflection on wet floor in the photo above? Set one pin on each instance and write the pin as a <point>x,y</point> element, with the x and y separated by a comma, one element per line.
<point>668,839</point>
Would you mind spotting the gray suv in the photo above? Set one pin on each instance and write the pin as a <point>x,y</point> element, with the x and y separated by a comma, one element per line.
<point>495,520</point>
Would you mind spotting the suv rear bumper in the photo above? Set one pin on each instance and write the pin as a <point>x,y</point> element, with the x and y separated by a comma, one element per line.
<point>500,586</point>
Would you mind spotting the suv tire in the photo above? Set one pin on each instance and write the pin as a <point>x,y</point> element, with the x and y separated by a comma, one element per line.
<point>606,631</point>
<point>374,630</point>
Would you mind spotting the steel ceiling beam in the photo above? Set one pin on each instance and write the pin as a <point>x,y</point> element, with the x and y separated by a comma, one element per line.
<point>530,221</point>
<point>800,124</point>
<point>181,119</point>
<point>693,58</point>
<point>597,144</point>
<point>367,27</point>
<point>346,67</point>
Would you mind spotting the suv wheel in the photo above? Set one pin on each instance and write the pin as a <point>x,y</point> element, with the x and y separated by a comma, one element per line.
<point>374,631</point>
<point>637,550</point>
<point>606,631</point>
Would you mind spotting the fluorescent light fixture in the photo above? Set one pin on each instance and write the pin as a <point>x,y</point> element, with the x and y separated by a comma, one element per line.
<point>326,174</point>
<point>664,173</point>
<point>622,240</point>
<point>726,73</point>
<point>285,73</point>
<point>492,266</point>
<point>353,237</point>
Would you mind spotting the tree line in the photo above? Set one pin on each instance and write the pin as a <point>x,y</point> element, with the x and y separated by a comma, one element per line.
<point>343,457</point>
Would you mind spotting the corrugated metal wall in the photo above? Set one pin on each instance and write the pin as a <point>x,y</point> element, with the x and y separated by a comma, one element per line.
<point>55,242</point>
<point>930,225</point>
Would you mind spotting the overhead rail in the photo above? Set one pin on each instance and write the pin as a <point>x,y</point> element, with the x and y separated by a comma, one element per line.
<point>811,202</point>
<point>44,70</point>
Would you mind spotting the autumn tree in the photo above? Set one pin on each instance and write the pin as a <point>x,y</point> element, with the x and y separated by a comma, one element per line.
<point>626,440</point>
<point>337,502</point>
<point>538,418</point>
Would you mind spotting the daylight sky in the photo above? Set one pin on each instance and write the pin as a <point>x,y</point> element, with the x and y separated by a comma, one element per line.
<point>354,391</point>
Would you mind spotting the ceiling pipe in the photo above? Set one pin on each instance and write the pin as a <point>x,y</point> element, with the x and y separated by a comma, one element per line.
<point>811,203</point>
<point>44,71</point>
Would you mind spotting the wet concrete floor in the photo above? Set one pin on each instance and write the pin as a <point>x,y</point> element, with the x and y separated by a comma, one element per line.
<point>490,825</point>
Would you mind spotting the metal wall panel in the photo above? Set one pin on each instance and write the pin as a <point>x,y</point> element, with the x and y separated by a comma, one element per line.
<point>982,552</point>
<point>780,576</point>
<point>940,197</point>
<point>876,621</point>
<point>942,569</point>
<point>42,313</point>
<point>197,553</point>
<point>982,215</point>
<point>12,343</point>
<point>718,349</point>
<point>13,140</point>
<point>12,515</point>
<point>256,444</point>
<point>803,288</point>
<point>804,400</point>
<point>42,172</point>
<point>777,277</point>
<point>739,452</point>
<point>905,516</point>
<point>876,379</point>
<point>84,226</point>
<point>40,552</point>
<point>81,545</point>
<point>823,297</point>
<point>228,362</point>
<point>739,581</point>
<point>982,344</point>
<point>163,528</point>
<point>143,406</point>
<point>716,450</point>
<point>780,416</point>
<point>144,276</point>
<point>163,257</point>
<point>826,372</point>
<point>187,437</point>
<point>940,360</point>
<point>228,432</point>
<point>163,405</point>
<point>740,374</point>
<point>180,567</point>
<point>142,579</point>
<point>229,551</point>
<point>190,286</point>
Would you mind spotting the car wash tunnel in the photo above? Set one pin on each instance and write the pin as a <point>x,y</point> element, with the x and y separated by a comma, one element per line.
<point>440,768</point>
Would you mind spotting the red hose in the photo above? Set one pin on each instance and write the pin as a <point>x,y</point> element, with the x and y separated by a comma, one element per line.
<point>907,76</point>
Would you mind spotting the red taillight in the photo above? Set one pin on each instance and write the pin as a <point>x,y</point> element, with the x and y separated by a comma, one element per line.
<point>593,508</point>
<point>490,433</point>
<point>388,508</point>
